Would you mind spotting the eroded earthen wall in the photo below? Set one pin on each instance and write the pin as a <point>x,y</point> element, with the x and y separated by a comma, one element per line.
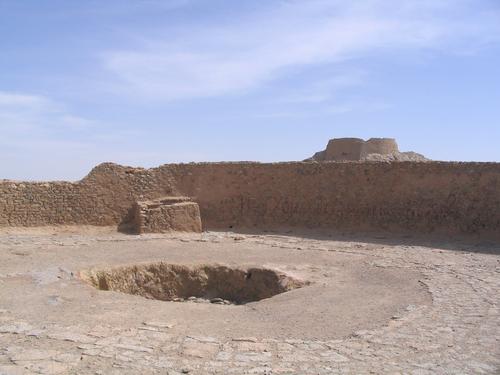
<point>447,198</point>
<point>166,215</point>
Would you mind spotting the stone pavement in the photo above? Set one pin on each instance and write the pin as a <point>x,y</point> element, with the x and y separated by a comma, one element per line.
<point>459,333</point>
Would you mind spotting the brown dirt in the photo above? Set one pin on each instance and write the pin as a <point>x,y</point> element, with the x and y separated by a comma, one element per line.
<point>347,293</point>
<point>374,305</point>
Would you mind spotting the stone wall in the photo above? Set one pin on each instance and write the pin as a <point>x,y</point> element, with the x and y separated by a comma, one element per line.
<point>167,214</point>
<point>436,197</point>
<point>382,146</point>
<point>104,197</point>
<point>344,149</point>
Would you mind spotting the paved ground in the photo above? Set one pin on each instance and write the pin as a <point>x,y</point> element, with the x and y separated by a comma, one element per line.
<point>375,305</point>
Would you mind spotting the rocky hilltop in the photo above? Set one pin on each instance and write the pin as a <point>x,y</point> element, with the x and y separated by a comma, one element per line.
<point>356,149</point>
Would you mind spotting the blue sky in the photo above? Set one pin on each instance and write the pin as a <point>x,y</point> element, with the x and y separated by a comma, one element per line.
<point>150,82</point>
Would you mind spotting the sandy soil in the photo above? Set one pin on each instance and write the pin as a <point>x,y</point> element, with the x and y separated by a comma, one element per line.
<point>361,290</point>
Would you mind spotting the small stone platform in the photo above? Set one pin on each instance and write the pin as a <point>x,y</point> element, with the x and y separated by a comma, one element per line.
<point>167,214</point>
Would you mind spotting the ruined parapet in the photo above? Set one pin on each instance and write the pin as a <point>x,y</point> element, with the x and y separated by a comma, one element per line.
<point>356,149</point>
<point>344,149</point>
<point>381,146</point>
<point>418,198</point>
<point>167,214</point>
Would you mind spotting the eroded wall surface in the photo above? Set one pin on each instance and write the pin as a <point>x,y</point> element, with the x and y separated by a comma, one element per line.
<point>166,215</point>
<point>445,198</point>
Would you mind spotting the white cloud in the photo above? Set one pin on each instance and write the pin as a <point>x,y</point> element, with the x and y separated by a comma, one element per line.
<point>14,102</point>
<point>325,89</point>
<point>42,140</point>
<point>244,55</point>
<point>35,114</point>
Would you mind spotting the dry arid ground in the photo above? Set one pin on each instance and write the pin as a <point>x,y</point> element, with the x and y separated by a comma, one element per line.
<point>393,305</point>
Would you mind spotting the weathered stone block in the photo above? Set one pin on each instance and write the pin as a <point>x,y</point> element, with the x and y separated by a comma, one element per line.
<point>167,214</point>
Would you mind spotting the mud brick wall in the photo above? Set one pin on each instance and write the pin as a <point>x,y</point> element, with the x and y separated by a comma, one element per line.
<point>166,215</point>
<point>104,197</point>
<point>406,197</point>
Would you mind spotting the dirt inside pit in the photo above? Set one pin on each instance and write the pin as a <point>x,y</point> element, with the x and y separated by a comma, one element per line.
<point>174,282</point>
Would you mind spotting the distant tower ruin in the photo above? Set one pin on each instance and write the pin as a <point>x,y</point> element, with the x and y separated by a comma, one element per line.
<point>356,149</point>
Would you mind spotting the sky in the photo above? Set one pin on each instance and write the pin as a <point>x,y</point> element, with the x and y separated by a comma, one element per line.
<point>149,82</point>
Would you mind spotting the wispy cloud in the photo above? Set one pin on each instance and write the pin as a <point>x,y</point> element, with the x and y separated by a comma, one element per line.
<point>340,108</point>
<point>287,35</point>
<point>325,89</point>
<point>35,114</point>
<point>8,99</point>
<point>44,140</point>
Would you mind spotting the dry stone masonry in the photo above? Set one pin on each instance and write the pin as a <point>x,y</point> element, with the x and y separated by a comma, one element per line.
<point>407,197</point>
<point>167,214</point>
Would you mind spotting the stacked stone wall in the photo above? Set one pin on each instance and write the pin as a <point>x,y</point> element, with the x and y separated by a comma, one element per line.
<point>166,214</point>
<point>382,146</point>
<point>437,197</point>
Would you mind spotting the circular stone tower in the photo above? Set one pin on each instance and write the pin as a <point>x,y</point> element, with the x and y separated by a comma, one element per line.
<point>381,146</point>
<point>344,149</point>
<point>356,149</point>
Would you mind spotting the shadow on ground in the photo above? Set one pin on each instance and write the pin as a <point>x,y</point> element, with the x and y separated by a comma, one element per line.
<point>439,241</point>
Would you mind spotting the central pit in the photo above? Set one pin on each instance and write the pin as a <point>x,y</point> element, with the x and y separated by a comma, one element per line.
<point>206,282</point>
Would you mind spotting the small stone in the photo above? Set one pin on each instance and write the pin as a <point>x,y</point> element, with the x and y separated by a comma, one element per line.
<point>152,329</point>
<point>334,356</point>
<point>71,337</point>
<point>11,370</point>
<point>34,333</point>
<point>91,352</point>
<point>247,339</point>
<point>206,339</point>
<point>54,300</point>
<point>16,328</point>
<point>33,355</point>
<point>134,348</point>
<point>67,358</point>
<point>48,367</point>
<point>158,324</point>
<point>86,346</point>
<point>223,356</point>
<point>253,357</point>
<point>202,300</point>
